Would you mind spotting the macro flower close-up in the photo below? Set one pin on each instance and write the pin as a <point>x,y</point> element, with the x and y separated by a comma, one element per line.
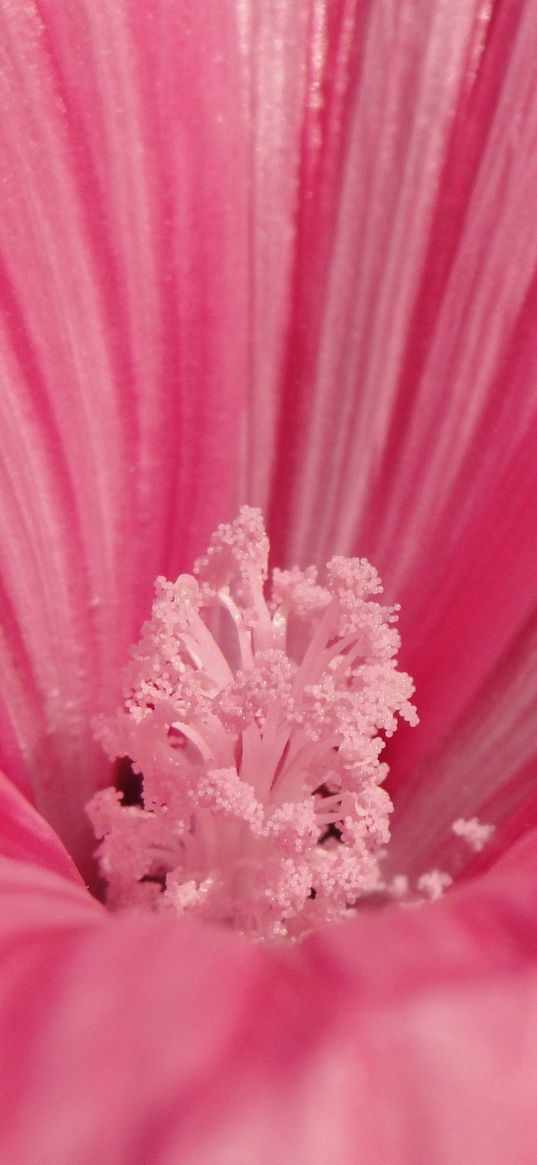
<point>268,554</point>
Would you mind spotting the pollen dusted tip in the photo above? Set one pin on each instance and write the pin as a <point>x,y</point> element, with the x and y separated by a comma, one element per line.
<point>474,832</point>
<point>255,715</point>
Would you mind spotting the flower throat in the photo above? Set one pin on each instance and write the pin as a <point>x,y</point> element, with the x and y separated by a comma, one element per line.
<point>255,716</point>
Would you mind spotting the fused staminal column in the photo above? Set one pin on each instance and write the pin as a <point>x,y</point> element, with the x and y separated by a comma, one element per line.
<point>256,722</point>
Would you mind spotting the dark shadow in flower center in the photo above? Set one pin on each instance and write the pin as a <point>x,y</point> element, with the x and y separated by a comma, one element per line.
<point>127,782</point>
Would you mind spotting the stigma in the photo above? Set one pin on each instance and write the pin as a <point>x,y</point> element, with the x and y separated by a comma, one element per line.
<point>255,712</point>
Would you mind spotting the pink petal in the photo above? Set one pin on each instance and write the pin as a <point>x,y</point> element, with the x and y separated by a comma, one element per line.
<point>485,767</point>
<point>104,1022</point>
<point>386,293</point>
<point>27,837</point>
<point>408,1036</point>
<point>123,350</point>
<point>408,423</point>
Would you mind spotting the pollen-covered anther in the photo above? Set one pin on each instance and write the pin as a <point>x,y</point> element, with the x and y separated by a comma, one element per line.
<point>433,883</point>
<point>257,714</point>
<point>474,832</point>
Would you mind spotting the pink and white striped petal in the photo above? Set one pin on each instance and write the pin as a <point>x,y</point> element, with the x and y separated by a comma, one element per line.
<point>123,350</point>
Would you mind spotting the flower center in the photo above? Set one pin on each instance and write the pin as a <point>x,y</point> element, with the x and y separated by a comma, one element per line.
<point>255,716</point>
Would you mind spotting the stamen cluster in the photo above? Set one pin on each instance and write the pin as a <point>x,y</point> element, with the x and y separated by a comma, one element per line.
<point>256,724</point>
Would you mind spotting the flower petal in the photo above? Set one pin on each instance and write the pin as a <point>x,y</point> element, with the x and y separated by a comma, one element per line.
<point>408,420</point>
<point>141,1038</point>
<point>385,83</point>
<point>26,836</point>
<point>123,350</point>
<point>485,767</point>
<point>104,1022</point>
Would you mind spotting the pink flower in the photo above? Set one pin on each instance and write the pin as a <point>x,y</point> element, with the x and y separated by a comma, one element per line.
<point>283,254</point>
